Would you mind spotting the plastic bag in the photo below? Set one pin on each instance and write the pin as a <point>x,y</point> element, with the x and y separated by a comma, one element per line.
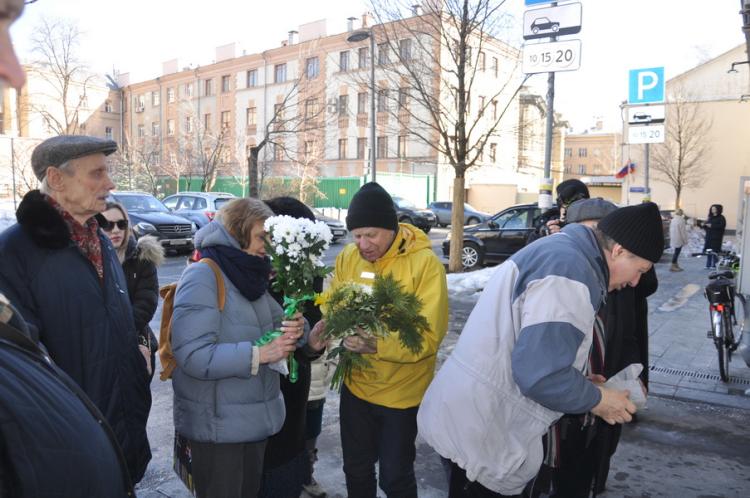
<point>627,379</point>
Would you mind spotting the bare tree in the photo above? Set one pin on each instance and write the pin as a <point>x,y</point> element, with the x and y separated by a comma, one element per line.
<point>25,179</point>
<point>681,160</point>
<point>55,46</point>
<point>437,61</point>
<point>135,166</point>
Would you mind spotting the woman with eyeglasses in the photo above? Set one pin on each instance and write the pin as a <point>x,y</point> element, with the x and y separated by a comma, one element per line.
<point>139,261</point>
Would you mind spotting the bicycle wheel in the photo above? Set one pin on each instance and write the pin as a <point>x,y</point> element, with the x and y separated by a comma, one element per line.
<point>719,324</point>
<point>740,319</point>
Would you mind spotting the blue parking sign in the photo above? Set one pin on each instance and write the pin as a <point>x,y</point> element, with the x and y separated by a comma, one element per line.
<point>646,85</point>
<point>534,2</point>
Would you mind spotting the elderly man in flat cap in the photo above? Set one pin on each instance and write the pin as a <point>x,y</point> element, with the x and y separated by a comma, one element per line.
<point>63,275</point>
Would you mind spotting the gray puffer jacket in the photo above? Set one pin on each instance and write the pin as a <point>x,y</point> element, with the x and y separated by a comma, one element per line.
<point>216,398</point>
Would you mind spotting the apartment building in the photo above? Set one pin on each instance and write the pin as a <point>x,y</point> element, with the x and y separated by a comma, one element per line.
<point>36,112</point>
<point>594,158</point>
<point>307,102</point>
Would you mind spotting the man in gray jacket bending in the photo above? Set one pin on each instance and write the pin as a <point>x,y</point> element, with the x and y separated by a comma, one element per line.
<point>518,364</point>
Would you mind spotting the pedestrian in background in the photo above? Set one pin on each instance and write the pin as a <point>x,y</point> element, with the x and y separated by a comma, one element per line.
<point>62,273</point>
<point>678,237</point>
<point>714,227</point>
<point>139,261</point>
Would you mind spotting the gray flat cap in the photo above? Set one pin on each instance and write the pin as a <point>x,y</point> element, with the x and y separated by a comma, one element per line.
<point>56,150</point>
<point>589,209</point>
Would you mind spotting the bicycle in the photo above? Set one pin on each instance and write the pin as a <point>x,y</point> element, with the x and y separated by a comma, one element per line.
<point>727,309</point>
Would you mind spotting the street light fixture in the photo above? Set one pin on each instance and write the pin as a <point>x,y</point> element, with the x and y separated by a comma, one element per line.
<point>358,36</point>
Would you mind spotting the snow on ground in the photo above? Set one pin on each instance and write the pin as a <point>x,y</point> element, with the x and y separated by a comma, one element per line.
<point>469,284</point>
<point>7,214</point>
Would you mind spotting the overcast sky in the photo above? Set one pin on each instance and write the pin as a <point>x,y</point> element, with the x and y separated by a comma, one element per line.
<point>136,36</point>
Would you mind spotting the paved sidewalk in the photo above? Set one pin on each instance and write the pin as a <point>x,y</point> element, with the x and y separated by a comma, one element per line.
<point>684,361</point>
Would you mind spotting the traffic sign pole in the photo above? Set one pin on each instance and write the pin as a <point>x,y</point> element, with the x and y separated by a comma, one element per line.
<point>550,119</point>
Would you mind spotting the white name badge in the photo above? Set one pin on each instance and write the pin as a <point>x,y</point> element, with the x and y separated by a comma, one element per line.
<point>367,274</point>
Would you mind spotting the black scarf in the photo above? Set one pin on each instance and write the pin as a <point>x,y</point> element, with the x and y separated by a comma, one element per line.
<point>248,273</point>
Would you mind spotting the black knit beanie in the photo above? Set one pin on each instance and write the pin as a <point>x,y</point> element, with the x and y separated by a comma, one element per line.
<point>638,229</point>
<point>372,206</point>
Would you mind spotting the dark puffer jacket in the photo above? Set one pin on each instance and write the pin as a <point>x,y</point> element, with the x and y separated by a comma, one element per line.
<point>85,324</point>
<point>141,261</point>
<point>714,227</point>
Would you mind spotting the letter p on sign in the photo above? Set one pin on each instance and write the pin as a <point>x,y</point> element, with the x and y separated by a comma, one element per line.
<point>646,85</point>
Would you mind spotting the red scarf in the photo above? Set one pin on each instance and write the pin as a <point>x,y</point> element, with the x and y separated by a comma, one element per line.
<point>86,237</point>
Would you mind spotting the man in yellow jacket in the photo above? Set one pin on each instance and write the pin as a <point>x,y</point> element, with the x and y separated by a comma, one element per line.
<point>378,410</point>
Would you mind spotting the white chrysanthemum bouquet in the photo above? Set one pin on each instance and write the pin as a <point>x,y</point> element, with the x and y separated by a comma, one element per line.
<point>296,247</point>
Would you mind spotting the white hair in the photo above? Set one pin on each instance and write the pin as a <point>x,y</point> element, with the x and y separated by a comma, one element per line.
<point>65,167</point>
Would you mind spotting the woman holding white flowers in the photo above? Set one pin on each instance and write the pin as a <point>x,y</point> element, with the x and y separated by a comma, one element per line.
<point>226,392</point>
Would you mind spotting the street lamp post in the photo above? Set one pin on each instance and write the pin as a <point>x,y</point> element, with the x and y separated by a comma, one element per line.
<point>357,36</point>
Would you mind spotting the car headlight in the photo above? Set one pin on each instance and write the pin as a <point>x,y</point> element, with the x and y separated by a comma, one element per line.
<point>193,227</point>
<point>144,227</point>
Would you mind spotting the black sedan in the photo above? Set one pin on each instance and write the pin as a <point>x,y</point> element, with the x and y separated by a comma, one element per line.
<point>497,238</point>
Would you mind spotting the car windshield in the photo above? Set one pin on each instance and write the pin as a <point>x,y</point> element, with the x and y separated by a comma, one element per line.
<point>142,203</point>
<point>404,204</point>
<point>468,207</point>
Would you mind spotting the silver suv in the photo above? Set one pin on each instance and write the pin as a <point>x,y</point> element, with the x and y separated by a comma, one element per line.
<point>198,207</point>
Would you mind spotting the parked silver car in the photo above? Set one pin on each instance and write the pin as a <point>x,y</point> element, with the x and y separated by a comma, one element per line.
<point>198,207</point>
<point>443,211</point>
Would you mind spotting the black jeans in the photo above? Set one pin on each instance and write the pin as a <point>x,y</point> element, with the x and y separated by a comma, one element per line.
<point>676,255</point>
<point>461,487</point>
<point>372,433</point>
<point>227,470</point>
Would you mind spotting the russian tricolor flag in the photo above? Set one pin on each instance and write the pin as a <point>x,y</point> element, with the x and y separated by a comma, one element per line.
<point>627,169</point>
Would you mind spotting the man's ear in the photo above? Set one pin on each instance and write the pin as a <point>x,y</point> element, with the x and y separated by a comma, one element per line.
<point>617,250</point>
<point>54,178</point>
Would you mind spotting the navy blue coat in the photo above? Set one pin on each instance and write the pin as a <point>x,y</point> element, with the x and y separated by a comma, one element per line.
<point>714,232</point>
<point>53,441</point>
<point>85,324</point>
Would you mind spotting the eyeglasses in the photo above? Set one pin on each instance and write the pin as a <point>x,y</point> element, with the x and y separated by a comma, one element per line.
<point>108,226</point>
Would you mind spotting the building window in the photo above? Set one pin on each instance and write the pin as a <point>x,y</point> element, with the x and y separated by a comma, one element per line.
<point>108,132</point>
<point>226,83</point>
<point>568,168</point>
<point>108,106</point>
<point>382,147</point>
<point>403,98</point>
<point>251,78</point>
<point>311,108</point>
<point>279,73</point>
<point>482,102</point>
<point>309,148</point>
<point>344,61</point>
<point>208,87</point>
<point>581,169</point>
<point>188,124</point>
<point>226,120</point>
<point>494,109</point>
<point>361,144</point>
<point>342,148</point>
<point>363,55</point>
<point>188,89</point>
<point>494,66</point>
<point>170,127</point>
<point>141,131</point>
<point>493,152</point>
<point>481,62</point>
<point>582,152</point>
<point>140,102</point>
<point>401,146</point>
<point>343,105</point>
<point>207,121</point>
<point>155,129</point>
<point>278,152</point>
<point>382,54</point>
<point>404,49</point>
<point>568,152</point>
<point>170,95</point>
<point>362,103</point>
<point>382,100</point>
<point>251,114</point>
<point>155,98</point>
<point>312,67</point>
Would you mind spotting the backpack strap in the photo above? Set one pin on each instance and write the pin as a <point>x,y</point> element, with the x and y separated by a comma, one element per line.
<point>222,292</point>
